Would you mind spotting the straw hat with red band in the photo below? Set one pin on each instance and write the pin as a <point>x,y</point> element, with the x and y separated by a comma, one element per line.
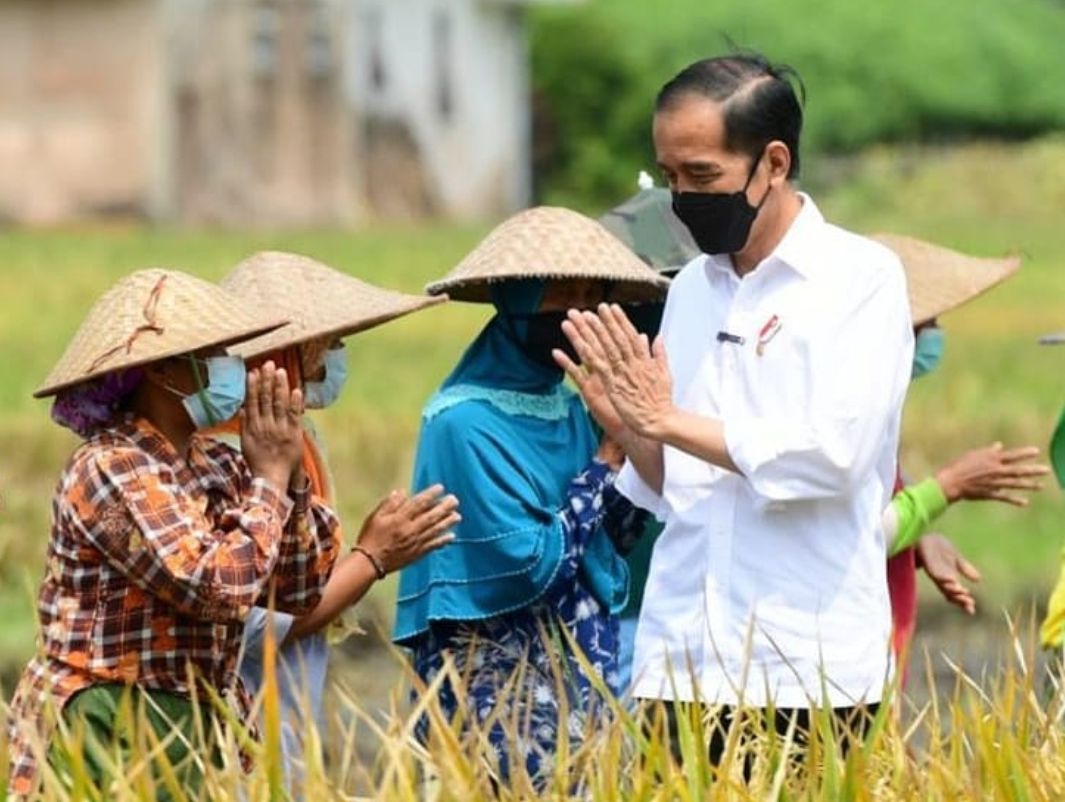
<point>319,301</point>
<point>939,279</point>
<point>551,243</point>
<point>151,315</point>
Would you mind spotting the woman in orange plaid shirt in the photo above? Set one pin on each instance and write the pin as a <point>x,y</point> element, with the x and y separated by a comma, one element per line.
<point>162,540</point>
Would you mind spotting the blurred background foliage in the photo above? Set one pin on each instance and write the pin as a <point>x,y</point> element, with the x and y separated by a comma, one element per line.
<point>890,72</point>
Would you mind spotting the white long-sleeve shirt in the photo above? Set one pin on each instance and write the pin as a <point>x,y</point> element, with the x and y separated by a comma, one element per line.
<point>771,583</point>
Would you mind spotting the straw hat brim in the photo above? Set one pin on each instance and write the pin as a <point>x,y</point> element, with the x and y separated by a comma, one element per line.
<point>319,301</point>
<point>939,279</point>
<point>151,315</point>
<point>554,244</point>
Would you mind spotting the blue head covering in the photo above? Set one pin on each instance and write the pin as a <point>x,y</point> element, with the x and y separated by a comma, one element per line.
<point>507,437</point>
<point>495,360</point>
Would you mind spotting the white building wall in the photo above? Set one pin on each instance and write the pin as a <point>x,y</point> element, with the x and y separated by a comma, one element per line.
<point>152,107</point>
<point>457,72</point>
<point>79,84</point>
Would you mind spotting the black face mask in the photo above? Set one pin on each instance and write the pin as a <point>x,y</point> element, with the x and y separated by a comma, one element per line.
<point>719,222</point>
<point>647,317</point>
<point>539,334</point>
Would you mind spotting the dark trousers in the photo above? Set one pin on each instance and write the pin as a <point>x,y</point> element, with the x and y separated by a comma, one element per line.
<point>850,726</point>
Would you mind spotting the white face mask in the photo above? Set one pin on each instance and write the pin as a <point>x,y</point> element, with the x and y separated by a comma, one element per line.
<point>321,394</point>
<point>927,351</point>
<point>223,394</point>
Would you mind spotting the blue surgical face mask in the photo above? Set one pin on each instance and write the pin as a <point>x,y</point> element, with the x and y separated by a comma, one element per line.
<point>321,394</point>
<point>223,394</point>
<point>927,351</point>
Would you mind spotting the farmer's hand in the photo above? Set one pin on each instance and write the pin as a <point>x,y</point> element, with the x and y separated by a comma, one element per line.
<point>271,432</point>
<point>945,566</point>
<point>404,528</point>
<point>990,473</point>
<point>634,373</point>
<point>594,394</point>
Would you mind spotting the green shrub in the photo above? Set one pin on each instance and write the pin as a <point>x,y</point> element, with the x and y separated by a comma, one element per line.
<point>899,70</point>
<point>593,121</point>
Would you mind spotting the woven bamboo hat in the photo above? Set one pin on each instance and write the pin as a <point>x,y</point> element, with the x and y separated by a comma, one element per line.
<point>317,300</point>
<point>150,315</point>
<point>939,279</point>
<point>550,243</point>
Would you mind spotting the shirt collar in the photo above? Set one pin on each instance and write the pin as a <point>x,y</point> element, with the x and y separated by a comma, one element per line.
<point>150,439</point>
<point>798,249</point>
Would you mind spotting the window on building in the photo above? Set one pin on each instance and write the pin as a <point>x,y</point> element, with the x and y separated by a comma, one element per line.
<point>374,37</point>
<point>266,32</point>
<point>443,56</point>
<point>320,55</point>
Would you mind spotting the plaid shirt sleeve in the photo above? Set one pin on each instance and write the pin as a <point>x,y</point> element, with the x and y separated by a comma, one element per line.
<point>164,540</point>
<point>307,552</point>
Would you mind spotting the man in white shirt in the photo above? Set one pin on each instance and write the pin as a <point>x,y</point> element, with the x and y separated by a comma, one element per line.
<point>768,442</point>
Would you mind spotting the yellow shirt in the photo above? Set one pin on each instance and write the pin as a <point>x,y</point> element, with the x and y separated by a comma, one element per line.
<point>1052,632</point>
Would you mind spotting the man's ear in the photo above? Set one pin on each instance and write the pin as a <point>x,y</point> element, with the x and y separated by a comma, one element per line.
<point>778,157</point>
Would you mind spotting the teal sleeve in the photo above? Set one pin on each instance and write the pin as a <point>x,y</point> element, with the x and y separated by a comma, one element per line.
<point>916,507</point>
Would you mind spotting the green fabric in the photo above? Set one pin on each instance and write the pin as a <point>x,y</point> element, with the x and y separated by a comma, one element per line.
<point>104,718</point>
<point>1052,631</point>
<point>916,506</point>
<point>1057,450</point>
<point>639,560</point>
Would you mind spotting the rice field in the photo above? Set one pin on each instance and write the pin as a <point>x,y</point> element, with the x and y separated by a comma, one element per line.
<point>998,738</point>
<point>986,737</point>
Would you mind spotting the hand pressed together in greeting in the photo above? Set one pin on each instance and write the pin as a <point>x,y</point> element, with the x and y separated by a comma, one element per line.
<point>272,426</point>
<point>621,364</point>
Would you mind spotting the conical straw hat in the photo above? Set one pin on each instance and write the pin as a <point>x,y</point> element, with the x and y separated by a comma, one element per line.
<point>318,300</point>
<point>550,243</point>
<point>940,279</point>
<point>150,315</point>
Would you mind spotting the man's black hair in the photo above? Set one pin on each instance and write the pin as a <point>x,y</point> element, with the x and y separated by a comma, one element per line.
<point>759,100</point>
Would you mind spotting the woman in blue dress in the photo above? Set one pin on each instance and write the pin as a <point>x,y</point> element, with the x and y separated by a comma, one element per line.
<point>535,568</point>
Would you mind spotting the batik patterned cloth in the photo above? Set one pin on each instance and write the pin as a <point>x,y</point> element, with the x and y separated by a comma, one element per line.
<point>531,648</point>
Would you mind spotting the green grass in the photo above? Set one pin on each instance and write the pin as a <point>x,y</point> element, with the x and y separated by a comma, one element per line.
<point>995,381</point>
